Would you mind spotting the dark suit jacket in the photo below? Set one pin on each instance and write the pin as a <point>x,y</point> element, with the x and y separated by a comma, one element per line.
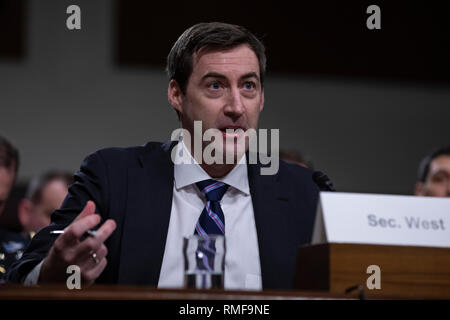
<point>134,187</point>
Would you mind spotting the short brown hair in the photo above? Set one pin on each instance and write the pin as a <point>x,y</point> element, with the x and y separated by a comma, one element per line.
<point>424,166</point>
<point>38,184</point>
<point>214,35</point>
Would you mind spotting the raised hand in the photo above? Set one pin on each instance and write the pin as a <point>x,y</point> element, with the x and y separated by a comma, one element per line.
<point>68,249</point>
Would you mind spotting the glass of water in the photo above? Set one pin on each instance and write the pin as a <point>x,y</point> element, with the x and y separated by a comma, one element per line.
<point>204,261</point>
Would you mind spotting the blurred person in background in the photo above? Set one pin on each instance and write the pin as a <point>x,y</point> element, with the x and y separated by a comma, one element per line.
<point>12,244</point>
<point>293,156</point>
<point>45,194</point>
<point>9,165</point>
<point>434,174</point>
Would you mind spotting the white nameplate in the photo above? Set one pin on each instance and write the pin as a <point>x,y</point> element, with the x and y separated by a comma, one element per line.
<point>382,219</point>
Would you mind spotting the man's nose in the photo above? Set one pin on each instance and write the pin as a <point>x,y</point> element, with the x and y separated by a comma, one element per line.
<point>235,106</point>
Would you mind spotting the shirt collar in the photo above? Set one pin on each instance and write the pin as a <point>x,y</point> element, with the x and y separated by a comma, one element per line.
<point>189,173</point>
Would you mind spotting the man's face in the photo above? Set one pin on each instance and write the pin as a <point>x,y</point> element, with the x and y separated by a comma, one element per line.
<point>437,183</point>
<point>224,91</point>
<point>52,197</point>
<point>7,176</point>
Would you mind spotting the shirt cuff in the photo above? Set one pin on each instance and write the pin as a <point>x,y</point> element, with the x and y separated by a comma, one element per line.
<point>33,277</point>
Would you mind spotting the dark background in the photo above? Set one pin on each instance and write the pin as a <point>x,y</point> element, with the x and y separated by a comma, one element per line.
<point>364,105</point>
<point>324,38</point>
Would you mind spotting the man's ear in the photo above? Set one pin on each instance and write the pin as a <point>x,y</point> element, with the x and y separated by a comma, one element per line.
<point>419,189</point>
<point>24,213</point>
<point>175,96</point>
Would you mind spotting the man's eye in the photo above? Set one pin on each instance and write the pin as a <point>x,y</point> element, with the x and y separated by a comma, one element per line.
<point>249,85</point>
<point>215,85</point>
<point>439,178</point>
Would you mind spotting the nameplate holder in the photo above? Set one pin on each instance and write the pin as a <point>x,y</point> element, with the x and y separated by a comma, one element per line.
<point>382,219</point>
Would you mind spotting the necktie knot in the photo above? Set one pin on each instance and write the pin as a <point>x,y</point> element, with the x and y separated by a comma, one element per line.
<point>212,189</point>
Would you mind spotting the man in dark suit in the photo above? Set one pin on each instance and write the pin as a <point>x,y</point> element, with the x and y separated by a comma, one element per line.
<point>145,201</point>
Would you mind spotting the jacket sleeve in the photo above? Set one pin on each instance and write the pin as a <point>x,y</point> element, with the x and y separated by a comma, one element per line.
<point>90,183</point>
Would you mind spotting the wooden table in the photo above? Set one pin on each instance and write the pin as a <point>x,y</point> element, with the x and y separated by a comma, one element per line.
<point>112,292</point>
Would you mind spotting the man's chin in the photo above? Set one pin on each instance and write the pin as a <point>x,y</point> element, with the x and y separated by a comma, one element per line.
<point>234,150</point>
<point>228,152</point>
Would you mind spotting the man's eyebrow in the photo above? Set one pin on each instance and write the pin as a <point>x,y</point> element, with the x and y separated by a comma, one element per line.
<point>221,76</point>
<point>250,75</point>
<point>213,75</point>
<point>440,171</point>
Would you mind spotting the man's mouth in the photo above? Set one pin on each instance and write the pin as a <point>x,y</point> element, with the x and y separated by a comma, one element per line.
<point>232,131</point>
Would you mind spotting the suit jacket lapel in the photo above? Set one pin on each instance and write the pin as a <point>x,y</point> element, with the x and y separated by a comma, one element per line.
<point>270,208</point>
<point>146,220</point>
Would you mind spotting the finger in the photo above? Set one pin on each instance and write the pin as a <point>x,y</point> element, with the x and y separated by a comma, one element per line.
<point>92,274</point>
<point>106,230</point>
<point>77,229</point>
<point>88,209</point>
<point>86,259</point>
<point>92,244</point>
<point>102,252</point>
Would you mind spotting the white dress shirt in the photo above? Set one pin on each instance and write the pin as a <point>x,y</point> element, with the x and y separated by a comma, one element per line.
<point>242,264</point>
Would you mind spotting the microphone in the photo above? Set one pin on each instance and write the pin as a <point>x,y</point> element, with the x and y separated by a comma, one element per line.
<point>323,182</point>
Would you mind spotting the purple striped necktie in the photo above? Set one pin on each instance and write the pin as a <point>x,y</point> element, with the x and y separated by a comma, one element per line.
<point>212,220</point>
